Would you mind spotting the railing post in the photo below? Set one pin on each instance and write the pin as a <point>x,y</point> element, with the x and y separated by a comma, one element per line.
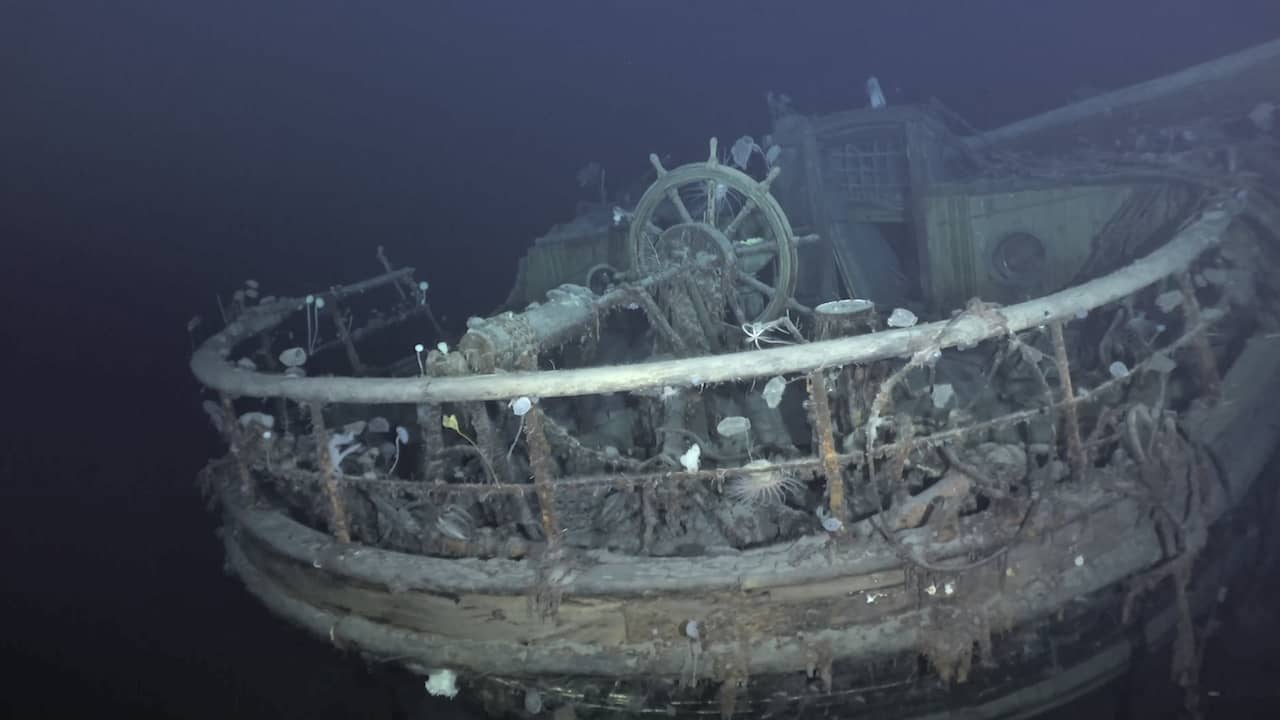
<point>236,439</point>
<point>1075,446</point>
<point>1207,364</point>
<point>338,522</point>
<point>820,405</point>
<point>543,474</point>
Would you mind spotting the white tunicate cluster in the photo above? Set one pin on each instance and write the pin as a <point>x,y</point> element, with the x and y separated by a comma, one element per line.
<point>733,425</point>
<point>846,307</point>
<point>402,438</point>
<point>691,460</point>
<point>417,351</point>
<point>901,318</point>
<point>340,446</point>
<point>293,357</point>
<point>1169,301</point>
<point>442,683</point>
<point>257,418</point>
<point>1118,369</point>
<point>741,151</point>
<point>521,406</point>
<point>829,523</point>
<point>942,395</point>
<point>875,96</point>
<point>773,390</point>
<point>771,155</point>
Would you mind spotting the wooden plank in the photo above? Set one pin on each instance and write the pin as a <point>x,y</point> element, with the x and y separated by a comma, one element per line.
<point>1042,576</point>
<point>775,611</point>
<point>505,618</point>
<point>1242,426</point>
<point>1234,81</point>
<point>826,588</point>
<point>784,610</point>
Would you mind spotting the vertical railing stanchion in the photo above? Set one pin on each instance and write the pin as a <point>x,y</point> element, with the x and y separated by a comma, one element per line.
<point>1207,364</point>
<point>820,407</point>
<point>338,523</point>
<point>1075,446</point>
<point>543,471</point>
<point>235,437</point>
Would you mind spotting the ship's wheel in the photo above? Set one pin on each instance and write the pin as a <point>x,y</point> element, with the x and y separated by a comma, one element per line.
<point>731,225</point>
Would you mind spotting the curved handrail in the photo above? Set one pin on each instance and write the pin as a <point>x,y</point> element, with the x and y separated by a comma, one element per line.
<point>213,368</point>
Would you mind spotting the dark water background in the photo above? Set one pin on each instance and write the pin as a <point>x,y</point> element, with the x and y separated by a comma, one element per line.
<point>156,152</point>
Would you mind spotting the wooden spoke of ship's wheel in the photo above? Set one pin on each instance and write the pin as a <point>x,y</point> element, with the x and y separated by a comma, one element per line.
<point>751,283</point>
<point>716,213</point>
